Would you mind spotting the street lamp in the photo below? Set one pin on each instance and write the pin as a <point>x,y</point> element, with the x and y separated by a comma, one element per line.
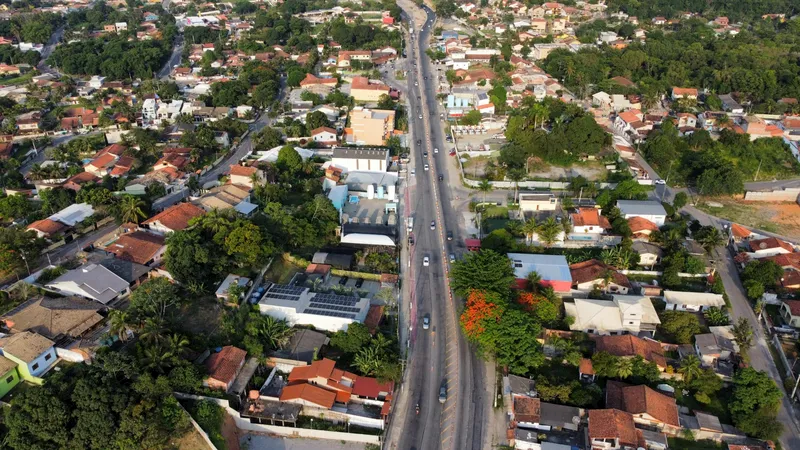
<point>26,263</point>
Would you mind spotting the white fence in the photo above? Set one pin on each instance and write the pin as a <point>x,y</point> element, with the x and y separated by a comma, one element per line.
<point>244,424</point>
<point>778,195</point>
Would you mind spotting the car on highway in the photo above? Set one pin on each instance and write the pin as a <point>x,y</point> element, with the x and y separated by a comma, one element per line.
<point>436,150</point>
<point>449,235</point>
<point>416,83</point>
<point>433,224</point>
<point>441,177</point>
<point>420,116</point>
<point>426,261</point>
<point>452,258</point>
<point>452,153</point>
<point>411,240</point>
<point>426,167</point>
<point>425,154</point>
<point>443,392</point>
<point>413,172</point>
<point>426,322</point>
<point>660,181</point>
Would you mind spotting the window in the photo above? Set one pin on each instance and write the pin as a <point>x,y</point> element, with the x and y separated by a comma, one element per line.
<point>35,366</point>
<point>48,356</point>
<point>630,323</point>
<point>517,263</point>
<point>10,379</point>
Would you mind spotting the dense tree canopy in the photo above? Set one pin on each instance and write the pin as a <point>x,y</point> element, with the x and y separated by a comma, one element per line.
<point>115,58</point>
<point>485,271</point>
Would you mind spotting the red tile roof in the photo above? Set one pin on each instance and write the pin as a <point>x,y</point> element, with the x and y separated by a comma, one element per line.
<point>642,400</point>
<point>740,231</point>
<point>322,369</point>
<point>177,217</point>
<point>629,345</point>
<point>47,226</point>
<point>223,366</point>
<point>139,247</point>
<point>593,269</point>
<point>309,393</point>
<point>373,318</point>
<point>769,243</point>
<point>794,306</point>
<point>242,170</point>
<point>680,92</point>
<point>102,161</point>
<point>590,217</point>
<point>638,224</point>
<point>586,366</point>
<point>371,387</point>
<point>785,260</point>
<point>612,424</point>
<point>527,409</point>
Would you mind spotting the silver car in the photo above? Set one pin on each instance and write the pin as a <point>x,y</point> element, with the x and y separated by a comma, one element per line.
<point>426,322</point>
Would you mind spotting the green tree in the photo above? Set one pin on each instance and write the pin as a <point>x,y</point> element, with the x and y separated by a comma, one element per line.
<point>709,237</point>
<point>289,161</point>
<point>316,119</point>
<point>351,341</point>
<point>680,326</point>
<point>605,365</point>
<point>485,186</point>
<point>690,368</point>
<point>743,334</point>
<point>680,200</point>
<point>549,230</point>
<point>130,209</point>
<point>716,317</point>
<point>484,270</point>
<point>624,367</point>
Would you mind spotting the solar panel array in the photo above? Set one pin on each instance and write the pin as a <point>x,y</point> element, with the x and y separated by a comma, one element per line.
<point>282,292</point>
<point>333,305</point>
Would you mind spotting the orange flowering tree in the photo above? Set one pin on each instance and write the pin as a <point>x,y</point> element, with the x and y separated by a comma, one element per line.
<point>540,305</point>
<point>481,306</point>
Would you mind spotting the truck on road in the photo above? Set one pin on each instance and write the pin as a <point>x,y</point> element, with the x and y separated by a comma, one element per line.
<point>410,224</point>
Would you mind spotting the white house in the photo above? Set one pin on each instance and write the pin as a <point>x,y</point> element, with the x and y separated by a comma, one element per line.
<point>692,301</point>
<point>363,159</point>
<point>646,209</point>
<point>299,306</point>
<point>770,246</point>
<point>91,281</point>
<point>529,201</point>
<point>625,314</point>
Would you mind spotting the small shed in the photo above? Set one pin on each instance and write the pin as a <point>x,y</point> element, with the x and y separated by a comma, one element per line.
<point>222,291</point>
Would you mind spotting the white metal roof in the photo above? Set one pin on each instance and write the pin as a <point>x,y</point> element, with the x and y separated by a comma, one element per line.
<point>694,298</point>
<point>367,239</point>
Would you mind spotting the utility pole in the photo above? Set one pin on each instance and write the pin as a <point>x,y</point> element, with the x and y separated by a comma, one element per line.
<point>669,172</point>
<point>759,169</point>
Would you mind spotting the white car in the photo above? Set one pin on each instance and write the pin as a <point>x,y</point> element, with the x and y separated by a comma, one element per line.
<point>436,150</point>
<point>660,181</point>
<point>452,258</point>
<point>420,117</point>
<point>426,167</point>
<point>413,172</point>
<point>426,261</point>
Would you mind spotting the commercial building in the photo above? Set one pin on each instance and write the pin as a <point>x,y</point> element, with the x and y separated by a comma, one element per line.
<point>370,126</point>
<point>299,306</point>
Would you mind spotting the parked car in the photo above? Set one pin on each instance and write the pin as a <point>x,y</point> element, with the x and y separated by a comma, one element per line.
<point>660,181</point>
<point>359,283</point>
<point>411,240</point>
<point>343,280</point>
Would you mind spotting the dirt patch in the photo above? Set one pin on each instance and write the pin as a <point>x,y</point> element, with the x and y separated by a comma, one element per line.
<point>192,440</point>
<point>780,218</point>
<point>201,316</point>
<point>590,171</point>
<point>230,432</point>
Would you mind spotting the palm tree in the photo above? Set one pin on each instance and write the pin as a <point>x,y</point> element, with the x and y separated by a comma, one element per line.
<point>624,367</point>
<point>723,121</point>
<point>130,209</point>
<point>216,220</point>
<point>37,172</point>
<point>368,360</point>
<point>534,281</point>
<point>711,239</point>
<point>155,358</point>
<point>549,231</point>
<point>690,368</point>
<point>118,324</point>
<point>516,175</point>
<point>485,186</point>
<point>177,344</point>
<point>274,332</point>
<point>607,277</point>
<point>152,330</point>
<point>529,227</point>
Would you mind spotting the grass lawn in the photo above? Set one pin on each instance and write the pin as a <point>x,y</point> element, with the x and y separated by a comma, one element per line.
<point>773,311</point>
<point>684,444</point>
<point>490,225</point>
<point>779,218</point>
<point>201,316</point>
<point>717,407</point>
<point>281,271</point>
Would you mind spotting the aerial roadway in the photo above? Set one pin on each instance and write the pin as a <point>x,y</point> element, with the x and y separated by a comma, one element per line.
<point>446,380</point>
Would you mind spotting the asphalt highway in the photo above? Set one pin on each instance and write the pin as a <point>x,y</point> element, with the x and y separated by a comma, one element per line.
<point>440,356</point>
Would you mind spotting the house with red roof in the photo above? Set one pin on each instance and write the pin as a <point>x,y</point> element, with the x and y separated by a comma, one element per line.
<point>101,165</point>
<point>770,246</point>
<point>629,346</point>
<point>790,312</point>
<point>593,274</point>
<point>223,367</point>
<point>648,407</point>
<point>344,386</point>
<point>75,182</point>
<point>47,228</point>
<point>589,221</point>
<point>243,175</point>
<point>641,228</point>
<point>139,247</point>
<point>679,93</point>
<point>174,218</point>
<point>611,429</point>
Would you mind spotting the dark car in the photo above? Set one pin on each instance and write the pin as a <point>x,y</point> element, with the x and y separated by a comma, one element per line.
<point>425,154</point>
<point>449,235</point>
<point>359,283</point>
<point>343,281</point>
<point>443,392</point>
<point>441,177</point>
<point>411,240</point>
